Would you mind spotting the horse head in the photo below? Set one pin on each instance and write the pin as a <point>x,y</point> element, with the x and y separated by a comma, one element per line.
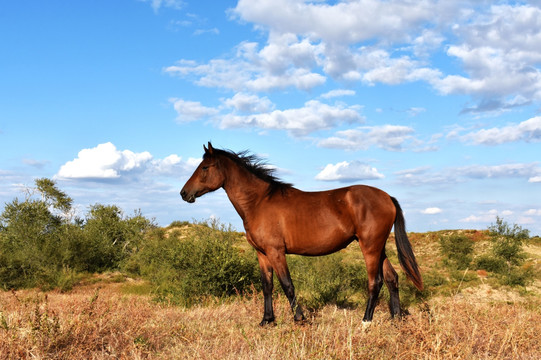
<point>207,177</point>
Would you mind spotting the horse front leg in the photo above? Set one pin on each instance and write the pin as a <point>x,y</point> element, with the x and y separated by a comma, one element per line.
<point>266,280</point>
<point>278,261</point>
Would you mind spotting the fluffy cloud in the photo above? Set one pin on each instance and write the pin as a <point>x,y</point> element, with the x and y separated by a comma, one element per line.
<point>298,122</point>
<point>339,23</point>
<point>349,171</point>
<point>338,93</point>
<point>534,212</point>
<point>191,110</point>
<point>249,103</point>
<point>499,52</point>
<point>516,170</point>
<point>106,162</point>
<point>284,62</point>
<point>496,46</point>
<point>487,216</point>
<point>528,131</point>
<point>250,110</point>
<point>431,211</point>
<point>388,137</point>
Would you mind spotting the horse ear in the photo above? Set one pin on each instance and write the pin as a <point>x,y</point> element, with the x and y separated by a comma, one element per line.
<point>209,150</point>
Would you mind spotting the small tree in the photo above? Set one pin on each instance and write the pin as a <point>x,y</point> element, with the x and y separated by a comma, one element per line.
<point>457,250</point>
<point>111,237</point>
<point>508,241</point>
<point>507,256</point>
<point>28,238</point>
<point>52,196</point>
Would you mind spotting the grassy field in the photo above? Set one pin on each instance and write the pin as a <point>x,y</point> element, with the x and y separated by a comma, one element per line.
<point>464,315</point>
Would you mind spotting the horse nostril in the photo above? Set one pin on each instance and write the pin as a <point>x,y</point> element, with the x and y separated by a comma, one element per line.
<point>183,193</point>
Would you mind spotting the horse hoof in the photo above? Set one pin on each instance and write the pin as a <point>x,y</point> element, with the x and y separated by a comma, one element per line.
<point>265,323</point>
<point>302,321</point>
<point>366,325</point>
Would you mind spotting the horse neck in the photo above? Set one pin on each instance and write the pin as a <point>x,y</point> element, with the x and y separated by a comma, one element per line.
<point>244,189</point>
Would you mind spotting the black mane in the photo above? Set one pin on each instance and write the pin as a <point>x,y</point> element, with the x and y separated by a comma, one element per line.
<point>258,167</point>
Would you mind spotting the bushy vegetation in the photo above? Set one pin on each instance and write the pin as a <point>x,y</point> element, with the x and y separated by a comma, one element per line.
<point>186,266</point>
<point>457,250</point>
<point>503,259</point>
<point>506,257</point>
<point>43,245</point>
<point>320,281</point>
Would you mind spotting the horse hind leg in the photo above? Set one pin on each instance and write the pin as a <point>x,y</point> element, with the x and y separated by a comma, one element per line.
<point>391,280</point>
<point>374,270</point>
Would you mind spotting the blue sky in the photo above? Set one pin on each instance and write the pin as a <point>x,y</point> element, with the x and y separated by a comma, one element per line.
<point>436,102</point>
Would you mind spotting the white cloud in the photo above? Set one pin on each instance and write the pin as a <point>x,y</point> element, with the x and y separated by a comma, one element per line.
<point>388,137</point>
<point>103,162</point>
<point>338,93</point>
<point>380,67</point>
<point>535,179</point>
<point>487,216</point>
<point>106,162</point>
<point>499,52</point>
<point>343,22</point>
<point>534,212</point>
<point>249,103</point>
<point>157,4</point>
<point>191,110</point>
<point>349,171</point>
<point>528,131</point>
<point>414,111</point>
<point>496,46</point>
<point>516,170</point>
<point>425,176</point>
<point>214,31</point>
<point>284,62</point>
<point>298,122</point>
<point>303,36</point>
<point>431,211</point>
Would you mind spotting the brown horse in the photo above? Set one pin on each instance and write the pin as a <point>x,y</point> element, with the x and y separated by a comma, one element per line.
<point>280,219</point>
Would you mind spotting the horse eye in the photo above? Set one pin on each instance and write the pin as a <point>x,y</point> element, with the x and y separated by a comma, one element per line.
<point>205,168</point>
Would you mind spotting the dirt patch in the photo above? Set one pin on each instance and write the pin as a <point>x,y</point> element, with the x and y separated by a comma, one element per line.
<point>487,294</point>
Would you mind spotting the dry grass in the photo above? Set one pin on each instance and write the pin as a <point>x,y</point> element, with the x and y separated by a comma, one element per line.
<point>105,323</point>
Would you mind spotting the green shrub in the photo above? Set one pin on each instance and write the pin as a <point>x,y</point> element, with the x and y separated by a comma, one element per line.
<point>28,243</point>
<point>41,245</point>
<point>457,250</point>
<point>507,241</point>
<point>110,237</point>
<point>519,276</point>
<point>203,263</point>
<point>506,258</point>
<point>178,223</point>
<point>328,280</point>
<point>491,263</point>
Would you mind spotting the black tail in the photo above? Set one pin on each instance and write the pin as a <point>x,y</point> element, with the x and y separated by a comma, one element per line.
<point>405,253</point>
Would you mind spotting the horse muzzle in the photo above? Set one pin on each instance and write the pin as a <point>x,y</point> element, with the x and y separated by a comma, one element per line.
<point>187,197</point>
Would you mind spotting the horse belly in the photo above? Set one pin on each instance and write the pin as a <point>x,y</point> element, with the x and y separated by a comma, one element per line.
<point>319,238</point>
<point>317,248</point>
